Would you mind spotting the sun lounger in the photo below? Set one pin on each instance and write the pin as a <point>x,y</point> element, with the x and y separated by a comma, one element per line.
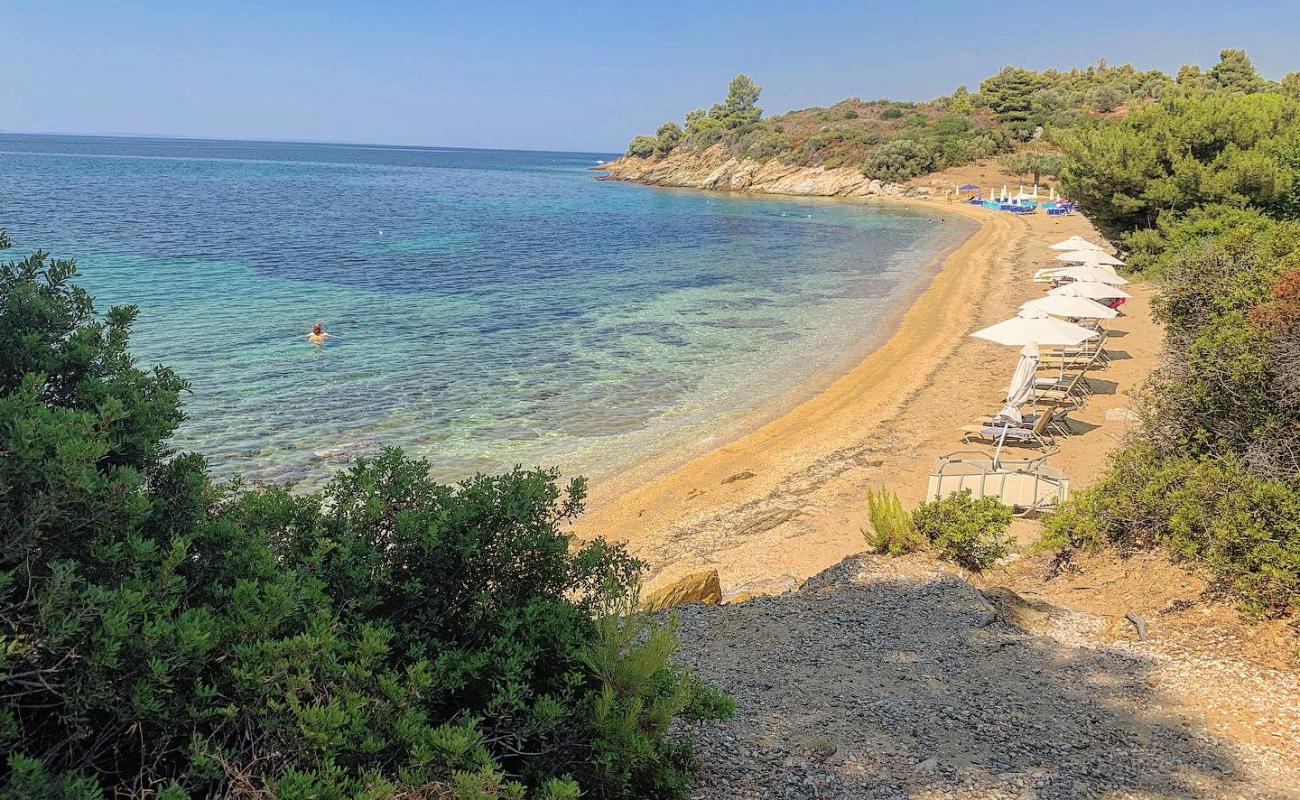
<point>1074,389</point>
<point>1027,485</point>
<point>1059,425</point>
<point>1006,431</point>
<point>1090,354</point>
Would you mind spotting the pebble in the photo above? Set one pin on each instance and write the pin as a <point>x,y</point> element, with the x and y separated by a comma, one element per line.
<point>877,679</point>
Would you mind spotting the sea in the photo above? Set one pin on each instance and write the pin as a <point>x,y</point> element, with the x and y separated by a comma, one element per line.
<point>488,308</point>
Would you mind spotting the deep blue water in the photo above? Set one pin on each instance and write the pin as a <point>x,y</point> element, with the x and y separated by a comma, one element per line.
<point>490,307</point>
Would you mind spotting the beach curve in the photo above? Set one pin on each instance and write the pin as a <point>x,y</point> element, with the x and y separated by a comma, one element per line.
<point>748,506</point>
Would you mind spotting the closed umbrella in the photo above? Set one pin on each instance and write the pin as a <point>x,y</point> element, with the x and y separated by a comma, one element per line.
<point>1075,243</point>
<point>1021,388</point>
<point>1094,258</point>
<point>1090,273</point>
<point>1091,290</point>
<point>1032,326</point>
<point>1072,307</point>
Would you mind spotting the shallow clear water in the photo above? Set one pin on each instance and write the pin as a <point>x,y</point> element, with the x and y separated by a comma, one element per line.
<point>490,307</point>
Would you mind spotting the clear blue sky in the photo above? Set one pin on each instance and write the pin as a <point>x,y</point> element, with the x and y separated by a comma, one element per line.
<point>567,76</point>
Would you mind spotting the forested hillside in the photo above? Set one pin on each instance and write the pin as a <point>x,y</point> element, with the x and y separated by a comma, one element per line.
<point>1202,191</point>
<point>1015,110</point>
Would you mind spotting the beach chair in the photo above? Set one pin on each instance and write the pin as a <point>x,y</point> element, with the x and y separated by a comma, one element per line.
<point>1027,485</point>
<point>1072,389</point>
<point>1003,431</point>
<point>1089,354</point>
<point>1075,361</point>
<point>1058,425</point>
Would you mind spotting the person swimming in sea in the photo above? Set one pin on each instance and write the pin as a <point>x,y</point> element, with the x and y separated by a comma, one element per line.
<point>318,334</point>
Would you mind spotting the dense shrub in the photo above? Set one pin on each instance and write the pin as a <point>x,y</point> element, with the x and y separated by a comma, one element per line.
<point>1244,529</point>
<point>667,137</point>
<point>899,160</point>
<point>1187,150</point>
<point>971,533</point>
<point>642,146</point>
<point>1204,189</point>
<point>892,530</point>
<point>388,636</point>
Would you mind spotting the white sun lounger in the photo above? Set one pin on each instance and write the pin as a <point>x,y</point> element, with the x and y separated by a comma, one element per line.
<point>1027,485</point>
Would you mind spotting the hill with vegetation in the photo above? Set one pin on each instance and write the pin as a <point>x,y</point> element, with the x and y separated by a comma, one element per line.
<point>1202,192</point>
<point>1017,113</point>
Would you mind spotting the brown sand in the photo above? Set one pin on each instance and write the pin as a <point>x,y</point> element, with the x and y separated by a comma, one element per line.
<point>786,500</point>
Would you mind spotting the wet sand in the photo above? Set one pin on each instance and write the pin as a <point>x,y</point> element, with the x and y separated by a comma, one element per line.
<point>786,500</point>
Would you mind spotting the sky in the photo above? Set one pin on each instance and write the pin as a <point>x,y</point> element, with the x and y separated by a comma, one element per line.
<point>583,76</point>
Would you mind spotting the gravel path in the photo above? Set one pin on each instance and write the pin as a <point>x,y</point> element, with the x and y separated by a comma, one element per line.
<point>895,678</point>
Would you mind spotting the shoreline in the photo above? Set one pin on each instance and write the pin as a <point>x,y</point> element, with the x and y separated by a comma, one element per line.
<point>670,511</point>
<point>643,468</point>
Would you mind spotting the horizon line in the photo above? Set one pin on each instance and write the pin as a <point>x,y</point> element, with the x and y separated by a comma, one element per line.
<point>192,138</point>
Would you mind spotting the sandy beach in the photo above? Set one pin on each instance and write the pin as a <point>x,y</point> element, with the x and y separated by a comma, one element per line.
<point>786,500</point>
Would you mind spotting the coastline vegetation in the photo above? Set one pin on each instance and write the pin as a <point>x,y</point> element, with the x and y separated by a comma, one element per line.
<point>1203,190</point>
<point>163,635</point>
<point>1018,111</point>
<point>971,533</point>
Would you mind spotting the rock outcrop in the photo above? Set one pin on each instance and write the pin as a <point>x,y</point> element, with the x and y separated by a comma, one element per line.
<point>699,587</point>
<point>717,170</point>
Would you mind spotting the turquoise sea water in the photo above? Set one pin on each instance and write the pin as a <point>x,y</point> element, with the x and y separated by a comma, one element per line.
<point>490,307</point>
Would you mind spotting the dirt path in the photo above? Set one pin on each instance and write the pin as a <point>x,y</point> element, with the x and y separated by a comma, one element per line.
<point>898,678</point>
<point>906,678</point>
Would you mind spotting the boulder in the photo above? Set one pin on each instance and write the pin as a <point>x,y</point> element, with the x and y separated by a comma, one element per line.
<point>1014,609</point>
<point>699,587</point>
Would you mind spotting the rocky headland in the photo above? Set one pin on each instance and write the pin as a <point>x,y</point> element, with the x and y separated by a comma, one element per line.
<point>718,170</point>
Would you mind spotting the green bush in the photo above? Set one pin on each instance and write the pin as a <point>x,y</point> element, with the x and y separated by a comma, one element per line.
<point>892,530</point>
<point>899,160</point>
<point>1185,151</point>
<point>1203,188</point>
<point>971,533</point>
<point>642,146</point>
<point>1245,530</point>
<point>386,636</point>
<point>667,137</point>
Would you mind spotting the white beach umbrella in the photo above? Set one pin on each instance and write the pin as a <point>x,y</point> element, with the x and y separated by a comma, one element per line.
<point>1075,243</point>
<point>1091,290</point>
<point>1072,307</point>
<point>1032,326</point>
<point>1004,192</point>
<point>1090,273</point>
<point>1035,191</point>
<point>1021,388</point>
<point>1091,257</point>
